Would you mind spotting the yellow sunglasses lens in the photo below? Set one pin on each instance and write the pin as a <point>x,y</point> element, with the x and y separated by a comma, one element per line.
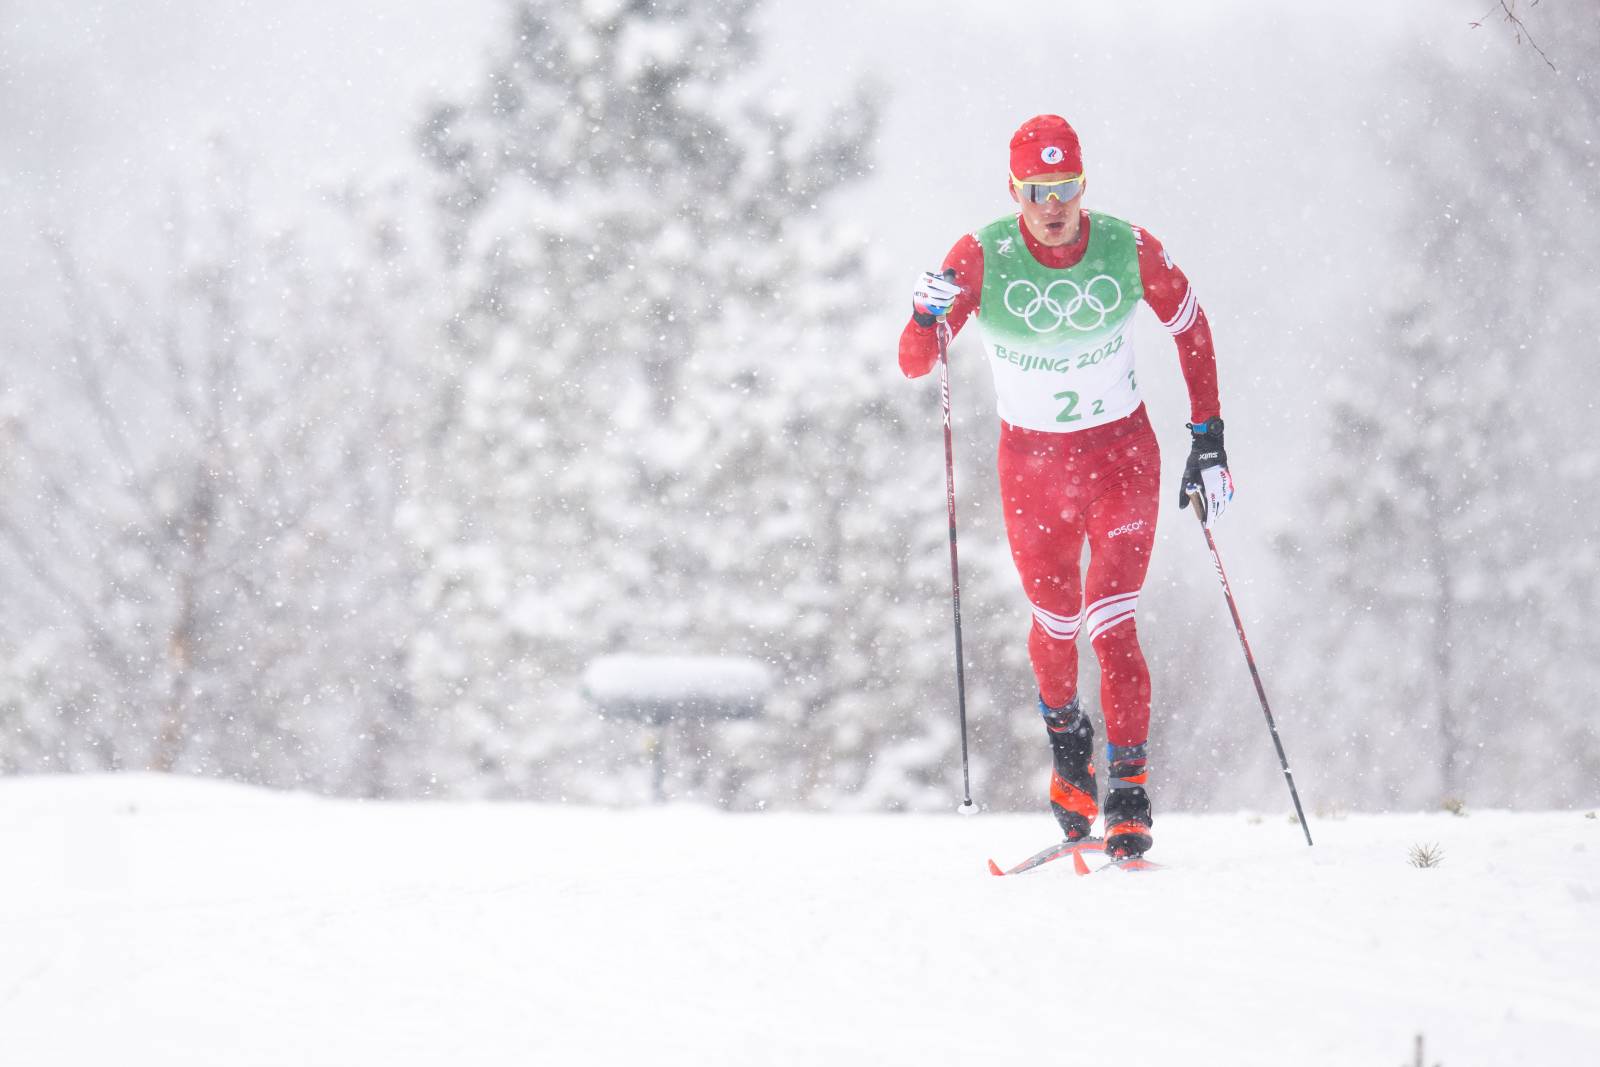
<point>1039,192</point>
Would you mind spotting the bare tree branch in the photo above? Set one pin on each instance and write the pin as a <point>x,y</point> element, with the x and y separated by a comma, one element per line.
<point>171,330</point>
<point>1508,11</point>
<point>101,639</point>
<point>83,356</point>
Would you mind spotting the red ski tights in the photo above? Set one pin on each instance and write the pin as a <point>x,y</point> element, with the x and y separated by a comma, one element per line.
<point>1060,489</point>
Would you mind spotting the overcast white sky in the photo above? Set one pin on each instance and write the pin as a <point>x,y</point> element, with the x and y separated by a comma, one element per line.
<point>1238,131</point>
<point>1182,106</point>
<point>102,104</point>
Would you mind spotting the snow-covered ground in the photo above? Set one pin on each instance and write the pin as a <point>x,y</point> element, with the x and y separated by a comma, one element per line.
<point>148,920</point>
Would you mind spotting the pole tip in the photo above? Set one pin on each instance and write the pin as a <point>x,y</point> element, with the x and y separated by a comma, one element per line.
<point>967,807</point>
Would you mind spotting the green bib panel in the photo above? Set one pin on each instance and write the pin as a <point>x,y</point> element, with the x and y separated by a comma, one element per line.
<point>1060,342</point>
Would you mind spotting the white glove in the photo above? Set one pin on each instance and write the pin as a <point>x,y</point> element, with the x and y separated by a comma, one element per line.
<point>1216,488</point>
<point>933,295</point>
<point>1207,471</point>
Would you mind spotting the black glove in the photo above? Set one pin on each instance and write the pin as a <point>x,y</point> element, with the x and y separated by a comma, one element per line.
<point>1207,469</point>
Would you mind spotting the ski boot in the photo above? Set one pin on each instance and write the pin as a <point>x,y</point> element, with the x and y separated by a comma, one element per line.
<point>1072,786</point>
<point>1127,804</point>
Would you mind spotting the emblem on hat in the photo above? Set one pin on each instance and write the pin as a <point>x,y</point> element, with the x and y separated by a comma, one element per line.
<point>1052,154</point>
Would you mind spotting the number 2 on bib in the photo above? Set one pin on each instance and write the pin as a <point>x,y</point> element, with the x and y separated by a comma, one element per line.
<point>1070,412</point>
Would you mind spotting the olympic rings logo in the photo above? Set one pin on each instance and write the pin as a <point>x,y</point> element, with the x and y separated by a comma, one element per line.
<point>1086,308</point>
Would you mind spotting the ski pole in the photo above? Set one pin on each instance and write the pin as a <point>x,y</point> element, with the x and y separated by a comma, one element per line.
<point>1198,501</point>
<point>942,332</point>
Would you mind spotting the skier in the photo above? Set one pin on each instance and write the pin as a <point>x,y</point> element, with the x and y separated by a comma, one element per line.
<point>1054,289</point>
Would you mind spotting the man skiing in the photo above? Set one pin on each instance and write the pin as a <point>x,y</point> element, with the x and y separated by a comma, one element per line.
<point>1054,289</point>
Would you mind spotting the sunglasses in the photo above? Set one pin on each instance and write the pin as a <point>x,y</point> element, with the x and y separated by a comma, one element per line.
<point>1039,192</point>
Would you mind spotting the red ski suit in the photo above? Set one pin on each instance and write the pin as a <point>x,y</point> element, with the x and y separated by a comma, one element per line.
<point>1100,484</point>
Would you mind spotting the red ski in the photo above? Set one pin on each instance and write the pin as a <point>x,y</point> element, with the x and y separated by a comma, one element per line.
<point>1127,863</point>
<point>1054,852</point>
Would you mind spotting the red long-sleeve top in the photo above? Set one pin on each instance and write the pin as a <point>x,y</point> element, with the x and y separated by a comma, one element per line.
<point>1166,290</point>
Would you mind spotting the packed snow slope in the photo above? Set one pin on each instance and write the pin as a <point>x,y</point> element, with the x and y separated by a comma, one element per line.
<point>148,920</point>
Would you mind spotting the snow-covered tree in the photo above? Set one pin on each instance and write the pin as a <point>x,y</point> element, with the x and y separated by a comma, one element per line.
<point>200,487</point>
<point>1456,610</point>
<point>677,427</point>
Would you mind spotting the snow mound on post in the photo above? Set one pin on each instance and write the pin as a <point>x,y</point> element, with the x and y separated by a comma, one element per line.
<point>659,688</point>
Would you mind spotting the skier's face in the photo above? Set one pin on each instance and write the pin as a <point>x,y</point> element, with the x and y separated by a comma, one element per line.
<point>1054,222</point>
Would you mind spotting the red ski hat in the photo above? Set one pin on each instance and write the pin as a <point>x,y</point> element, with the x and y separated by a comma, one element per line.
<point>1045,144</point>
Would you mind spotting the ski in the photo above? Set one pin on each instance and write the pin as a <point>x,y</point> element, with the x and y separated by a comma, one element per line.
<point>1054,852</point>
<point>1127,863</point>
